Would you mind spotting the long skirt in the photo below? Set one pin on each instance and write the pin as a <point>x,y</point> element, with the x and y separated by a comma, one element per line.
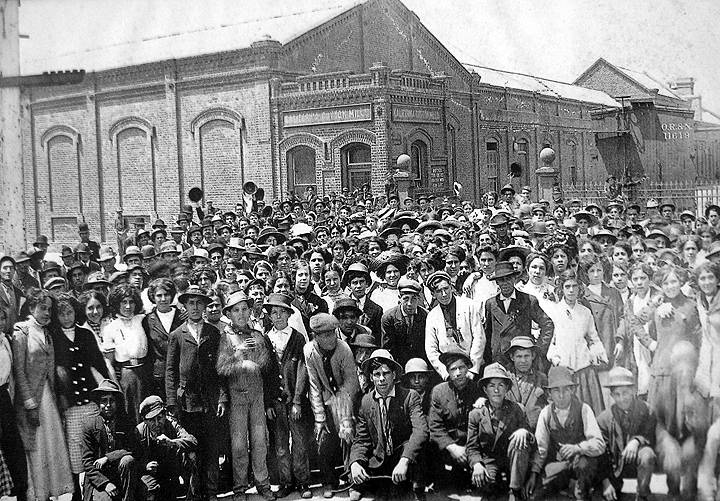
<point>589,390</point>
<point>47,456</point>
<point>74,417</point>
<point>6,482</point>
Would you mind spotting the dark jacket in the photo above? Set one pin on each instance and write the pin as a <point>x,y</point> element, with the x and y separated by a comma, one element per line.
<point>487,444</point>
<point>501,326</point>
<point>158,339</point>
<point>618,430</point>
<point>191,379</point>
<point>95,445</point>
<point>293,383</point>
<point>16,314</point>
<point>408,428</point>
<point>309,304</point>
<point>149,449</point>
<point>372,315</point>
<point>397,337</point>
<point>449,410</point>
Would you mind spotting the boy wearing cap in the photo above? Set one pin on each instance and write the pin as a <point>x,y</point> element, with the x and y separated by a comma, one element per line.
<point>403,327</point>
<point>628,428</point>
<point>528,384</point>
<point>570,443</point>
<point>499,439</point>
<point>357,279</point>
<point>363,346</point>
<point>348,315</point>
<point>391,429</point>
<point>165,451</point>
<point>334,387</point>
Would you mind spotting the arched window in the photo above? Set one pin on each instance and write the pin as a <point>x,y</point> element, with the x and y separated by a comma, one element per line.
<point>301,169</point>
<point>419,161</point>
<point>356,166</point>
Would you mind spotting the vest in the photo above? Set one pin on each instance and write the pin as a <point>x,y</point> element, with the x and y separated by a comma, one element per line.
<point>572,433</point>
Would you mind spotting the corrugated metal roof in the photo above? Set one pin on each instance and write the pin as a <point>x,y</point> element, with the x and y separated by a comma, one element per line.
<point>542,86</point>
<point>281,21</point>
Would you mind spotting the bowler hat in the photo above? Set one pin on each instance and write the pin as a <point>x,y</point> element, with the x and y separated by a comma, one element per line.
<point>193,291</point>
<point>559,376</point>
<point>151,407</point>
<point>384,356</point>
<point>356,270</point>
<point>495,371</point>
<point>66,251</point>
<point>159,223</point>
<point>323,322</point>
<point>619,376</point>
<point>279,300</point>
<point>409,286</point>
<point>158,231</point>
<point>49,266</point>
<point>132,250</point>
<point>503,269</point>
<point>453,354</point>
<point>364,341</point>
<point>507,187</point>
<point>77,265</point>
<point>236,298</point>
<point>346,303</point>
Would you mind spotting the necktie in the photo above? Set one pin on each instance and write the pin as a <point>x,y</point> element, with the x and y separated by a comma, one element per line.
<point>387,432</point>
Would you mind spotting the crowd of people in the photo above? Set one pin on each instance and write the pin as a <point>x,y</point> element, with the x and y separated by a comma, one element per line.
<point>394,346</point>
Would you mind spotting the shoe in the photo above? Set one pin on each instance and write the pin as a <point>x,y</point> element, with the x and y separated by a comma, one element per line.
<point>266,494</point>
<point>305,491</point>
<point>355,495</point>
<point>328,491</point>
<point>283,491</point>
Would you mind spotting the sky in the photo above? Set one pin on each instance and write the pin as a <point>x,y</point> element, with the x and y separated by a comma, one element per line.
<point>555,39</point>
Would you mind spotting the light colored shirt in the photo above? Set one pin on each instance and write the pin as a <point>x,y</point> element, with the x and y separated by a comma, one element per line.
<point>166,318</point>
<point>127,337</point>
<point>195,329</point>
<point>5,360</point>
<point>279,339</point>
<point>507,300</point>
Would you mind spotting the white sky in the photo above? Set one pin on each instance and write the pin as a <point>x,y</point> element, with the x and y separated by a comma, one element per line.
<point>554,39</point>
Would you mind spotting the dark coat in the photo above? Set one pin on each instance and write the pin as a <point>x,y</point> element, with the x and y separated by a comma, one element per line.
<point>293,385</point>
<point>640,425</point>
<point>486,444</point>
<point>449,410</point>
<point>399,340</point>
<point>372,315</point>
<point>149,449</point>
<point>409,428</point>
<point>191,379</point>
<point>95,445</point>
<point>14,315</point>
<point>309,304</point>
<point>158,339</point>
<point>501,326</point>
<point>607,310</point>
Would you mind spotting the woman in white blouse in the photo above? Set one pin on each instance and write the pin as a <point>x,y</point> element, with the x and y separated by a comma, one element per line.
<point>576,343</point>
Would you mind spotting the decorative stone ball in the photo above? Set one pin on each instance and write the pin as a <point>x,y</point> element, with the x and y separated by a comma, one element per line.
<point>403,162</point>
<point>547,156</point>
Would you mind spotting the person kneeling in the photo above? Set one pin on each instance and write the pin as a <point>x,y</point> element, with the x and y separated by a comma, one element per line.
<point>391,429</point>
<point>628,428</point>
<point>165,449</point>
<point>499,439</point>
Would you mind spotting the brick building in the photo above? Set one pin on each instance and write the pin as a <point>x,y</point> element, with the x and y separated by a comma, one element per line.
<point>331,105</point>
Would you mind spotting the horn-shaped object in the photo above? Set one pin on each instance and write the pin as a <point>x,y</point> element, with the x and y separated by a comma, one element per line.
<point>195,194</point>
<point>250,188</point>
<point>260,194</point>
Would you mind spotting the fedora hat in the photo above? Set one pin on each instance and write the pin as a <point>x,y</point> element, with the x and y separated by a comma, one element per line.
<point>560,376</point>
<point>384,356</point>
<point>364,341</point>
<point>193,291</point>
<point>346,303</point>
<point>452,354</point>
<point>619,376</point>
<point>279,300</point>
<point>236,298</point>
<point>132,250</point>
<point>495,371</point>
<point>194,228</point>
<point>503,269</point>
<point>356,270</point>
<point>66,251</point>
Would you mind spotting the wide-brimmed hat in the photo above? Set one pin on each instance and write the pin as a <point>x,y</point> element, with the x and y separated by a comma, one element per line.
<point>391,230</point>
<point>384,356</point>
<point>158,231</point>
<point>499,219</point>
<point>385,259</point>
<point>268,232</point>
<point>560,376</point>
<point>346,304</point>
<point>514,250</point>
<point>495,371</point>
<point>279,300</point>
<point>106,253</point>
<point>455,353</point>
<point>415,365</point>
<point>21,257</point>
<point>151,407</point>
<point>593,206</point>
<point>364,341</point>
<point>193,291</point>
<point>356,270</point>
<point>132,250</point>
<point>659,234</point>
<point>108,386</point>
<point>520,343</point>
<point>590,218</point>
<point>606,234</point>
<point>431,224</point>
<point>236,298</point>
<point>399,222</point>
<point>323,322</point>
<point>503,269</point>
<point>619,376</point>
<point>96,279</point>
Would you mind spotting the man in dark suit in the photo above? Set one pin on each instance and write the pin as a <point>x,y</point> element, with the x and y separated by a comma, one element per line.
<point>403,327</point>
<point>12,298</point>
<point>107,450</point>
<point>196,394</point>
<point>357,277</point>
<point>390,431</point>
<point>511,314</point>
<point>93,246</point>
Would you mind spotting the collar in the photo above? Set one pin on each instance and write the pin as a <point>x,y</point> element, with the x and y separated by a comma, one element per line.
<point>512,296</point>
<point>377,396</point>
<point>287,330</point>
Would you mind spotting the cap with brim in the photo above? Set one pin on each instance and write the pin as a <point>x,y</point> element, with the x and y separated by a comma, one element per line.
<point>356,270</point>
<point>55,282</point>
<point>503,269</point>
<point>409,286</point>
<point>605,234</point>
<point>560,376</point>
<point>77,265</point>
<point>453,354</point>
<point>667,204</point>
<point>495,371</point>
<point>520,343</point>
<point>108,386</point>
<point>687,214</point>
<point>236,298</point>
<point>193,291</point>
<point>416,365</point>
<point>619,376</point>
<point>323,322</point>
<point>437,277</point>
<point>364,341</point>
<point>384,356</point>
<point>151,407</point>
<point>659,234</point>
<point>279,300</point>
<point>346,304</point>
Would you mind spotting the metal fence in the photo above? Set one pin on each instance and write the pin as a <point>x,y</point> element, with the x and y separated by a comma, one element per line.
<point>686,195</point>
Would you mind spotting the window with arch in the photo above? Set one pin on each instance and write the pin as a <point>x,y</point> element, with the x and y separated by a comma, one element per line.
<point>301,169</point>
<point>356,163</point>
<point>419,161</point>
<point>492,162</point>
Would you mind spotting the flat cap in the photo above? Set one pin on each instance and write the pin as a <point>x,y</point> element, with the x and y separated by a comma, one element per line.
<point>323,322</point>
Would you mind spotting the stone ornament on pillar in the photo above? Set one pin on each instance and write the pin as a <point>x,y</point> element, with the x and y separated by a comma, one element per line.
<point>401,178</point>
<point>546,174</point>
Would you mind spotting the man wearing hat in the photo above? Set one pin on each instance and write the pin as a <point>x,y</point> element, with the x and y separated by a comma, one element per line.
<point>507,198</point>
<point>195,239</point>
<point>292,407</point>
<point>93,246</point>
<point>456,322</point>
<point>165,452</point>
<point>111,471</point>
<point>84,255</point>
<point>511,314</point>
<point>196,394</point>
<point>362,347</point>
<point>500,224</point>
<point>403,327</point>
<point>570,443</point>
<point>23,278</point>
<point>107,260</point>
<point>334,388</point>
<point>528,383</point>
<point>450,405</point>
<point>357,278</point>
<point>391,430</point>
<point>628,428</point>
<point>348,314</point>
<point>499,440</point>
